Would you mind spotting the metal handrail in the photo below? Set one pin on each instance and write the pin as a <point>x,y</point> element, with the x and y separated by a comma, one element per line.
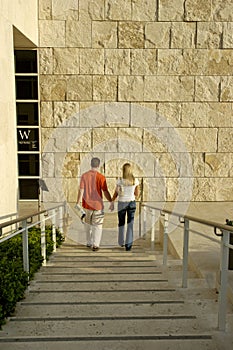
<point>56,211</point>
<point>225,246</point>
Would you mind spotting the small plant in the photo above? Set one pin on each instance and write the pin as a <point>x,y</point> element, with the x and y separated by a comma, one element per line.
<point>13,278</point>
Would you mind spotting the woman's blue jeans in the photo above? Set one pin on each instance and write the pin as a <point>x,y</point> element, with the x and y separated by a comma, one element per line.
<point>124,208</point>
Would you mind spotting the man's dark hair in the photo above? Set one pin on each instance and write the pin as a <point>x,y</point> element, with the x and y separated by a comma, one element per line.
<point>95,162</point>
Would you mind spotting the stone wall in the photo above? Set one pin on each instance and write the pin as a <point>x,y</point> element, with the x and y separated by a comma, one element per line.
<point>145,81</point>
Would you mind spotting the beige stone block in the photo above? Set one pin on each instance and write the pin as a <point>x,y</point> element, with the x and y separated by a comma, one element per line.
<point>66,114</point>
<point>222,10</point>
<point>166,166</point>
<point>46,61</point>
<point>217,165</point>
<point>226,89</point>
<point>225,137</point>
<point>144,62</point>
<point>117,61</point>
<point>171,112</point>
<point>198,165</point>
<point>131,88</point>
<point>52,87</point>
<point>58,164</point>
<point>199,139</point>
<point>207,88</point>
<point>91,61</point>
<point>45,9</point>
<point>227,35</point>
<point>194,115</point>
<point>65,9</point>
<point>56,191</point>
<point>92,114</point>
<point>224,190</point>
<point>204,189</point>
<point>104,88</point>
<point>196,10</point>
<point>171,10</point>
<point>46,114</point>
<point>171,61</point>
<point>104,34</point>
<point>154,189</point>
<point>79,140</point>
<point>85,161</point>
<point>144,115</point>
<point>183,35</point>
<point>92,10</point>
<point>155,140</point>
<point>219,115</point>
<point>220,62</point>
<point>52,33</point>
<point>131,35</point>
<point>144,10</point>
<point>172,189</point>
<point>70,188</point>
<point>47,160</point>
<point>105,140</point>
<point>130,139</point>
<point>117,114</point>
<point>54,140</point>
<point>170,89</point>
<point>66,60</point>
<point>119,10</point>
<point>157,34</point>
<point>209,35</point>
<point>78,33</point>
<point>79,88</point>
<point>71,164</point>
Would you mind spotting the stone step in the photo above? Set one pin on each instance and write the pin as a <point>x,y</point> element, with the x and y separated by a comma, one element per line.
<point>165,342</point>
<point>116,308</point>
<point>88,326</point>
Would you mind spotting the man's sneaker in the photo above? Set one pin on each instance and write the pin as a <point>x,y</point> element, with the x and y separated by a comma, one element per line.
<point>95,248</point>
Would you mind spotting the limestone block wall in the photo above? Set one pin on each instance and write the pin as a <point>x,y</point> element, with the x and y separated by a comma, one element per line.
<point>144,81</point>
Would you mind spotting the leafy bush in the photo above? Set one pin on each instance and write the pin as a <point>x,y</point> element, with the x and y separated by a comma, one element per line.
<point>13,278</point>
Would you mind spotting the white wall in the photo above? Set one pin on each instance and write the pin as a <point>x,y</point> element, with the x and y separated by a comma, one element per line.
<point>21,14</point>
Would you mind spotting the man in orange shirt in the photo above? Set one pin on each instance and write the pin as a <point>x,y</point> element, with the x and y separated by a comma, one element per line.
<point>92,187</point>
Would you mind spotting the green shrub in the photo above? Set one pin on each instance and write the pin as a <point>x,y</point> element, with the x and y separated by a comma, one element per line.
<point>13,278</point>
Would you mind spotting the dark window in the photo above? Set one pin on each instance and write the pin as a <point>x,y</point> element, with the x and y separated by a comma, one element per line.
<point>26,88</point>
<point>28,139</point>
<point>28,164</point>
<point>25,61</point>
<point>27,113</point>
<point>28,188</point>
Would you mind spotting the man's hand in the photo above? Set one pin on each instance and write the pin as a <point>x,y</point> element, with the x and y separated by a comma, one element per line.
<point>111,207</point>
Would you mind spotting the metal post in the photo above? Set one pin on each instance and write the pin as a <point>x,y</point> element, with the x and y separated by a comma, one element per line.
<point>185,253</point>
<point>61,219</point>
<point>25,248</point>
<point>222,300</point>
<point>165,239</point>
<point>43,238</point>
<point>153,226</point>
<point>54,230</point>
<point>144,220</point>
<point>140,219</point>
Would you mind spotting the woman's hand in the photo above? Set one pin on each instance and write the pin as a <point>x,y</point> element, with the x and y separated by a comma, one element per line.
<point>111,207</point>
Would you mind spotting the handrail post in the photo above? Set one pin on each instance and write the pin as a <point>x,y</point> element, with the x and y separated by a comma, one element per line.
<point>165,239</point>
<point>153,226</point>
<point>25,248</point>
<point>222,304</point>
<point>144,220</point>
<point>61,219</point>
<point>54,230</point>
<point>140,219</point>
<point>185,253</point>
<point>43,239</point>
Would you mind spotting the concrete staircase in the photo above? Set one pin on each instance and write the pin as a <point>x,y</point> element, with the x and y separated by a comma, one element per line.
<point>112,299</point>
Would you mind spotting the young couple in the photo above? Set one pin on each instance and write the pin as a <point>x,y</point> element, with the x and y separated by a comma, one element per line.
<point>92,187</point>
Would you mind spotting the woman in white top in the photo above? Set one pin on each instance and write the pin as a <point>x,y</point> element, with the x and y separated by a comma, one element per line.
<point>127,188</point>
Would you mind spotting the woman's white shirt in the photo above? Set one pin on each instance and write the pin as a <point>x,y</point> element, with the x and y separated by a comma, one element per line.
<point>126,192</point>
